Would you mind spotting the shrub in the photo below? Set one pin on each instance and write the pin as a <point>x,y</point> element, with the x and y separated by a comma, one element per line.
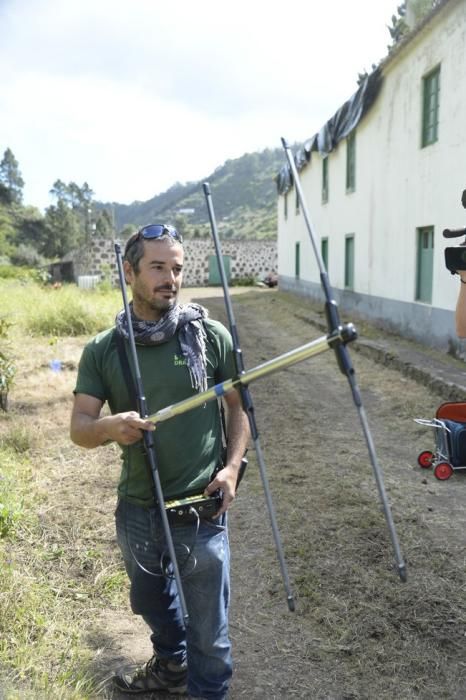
<point>23,274</point>
<point>27,256</point>
<point>247,281</point>
<point>10,272</point>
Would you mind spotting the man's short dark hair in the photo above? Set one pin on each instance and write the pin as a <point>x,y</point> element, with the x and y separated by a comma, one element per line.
<point>134,248</point>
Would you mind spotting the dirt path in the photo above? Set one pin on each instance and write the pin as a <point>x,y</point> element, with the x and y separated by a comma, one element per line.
<point>358,632</point>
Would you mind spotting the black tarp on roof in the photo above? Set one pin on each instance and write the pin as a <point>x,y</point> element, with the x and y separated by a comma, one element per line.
<point>337,128</point>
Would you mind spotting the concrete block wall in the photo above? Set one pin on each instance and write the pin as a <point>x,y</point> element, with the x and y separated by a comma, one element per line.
<point>247,259</point>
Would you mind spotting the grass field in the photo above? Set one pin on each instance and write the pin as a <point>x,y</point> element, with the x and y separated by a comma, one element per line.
<point>358,633</point>
<point>41,613</point>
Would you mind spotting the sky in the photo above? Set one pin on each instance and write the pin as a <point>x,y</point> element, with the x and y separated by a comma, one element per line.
<point>132,96</point>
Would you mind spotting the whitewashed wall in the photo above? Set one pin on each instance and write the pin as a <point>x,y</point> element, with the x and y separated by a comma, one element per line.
<point>399,188</point>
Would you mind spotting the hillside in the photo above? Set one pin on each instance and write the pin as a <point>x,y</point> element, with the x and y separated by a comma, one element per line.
<point>244,196</point>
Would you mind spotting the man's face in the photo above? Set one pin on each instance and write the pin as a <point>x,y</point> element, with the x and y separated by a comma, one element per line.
<point>156,286</point>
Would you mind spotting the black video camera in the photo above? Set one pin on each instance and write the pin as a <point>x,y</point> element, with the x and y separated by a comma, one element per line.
<point>455,257</point>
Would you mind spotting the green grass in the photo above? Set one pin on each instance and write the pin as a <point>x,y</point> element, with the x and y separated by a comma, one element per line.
<point>17,439</point>
<point>53,568</point>
<point>68,311</point>
<point>42,617</point>
<point>10,500</point>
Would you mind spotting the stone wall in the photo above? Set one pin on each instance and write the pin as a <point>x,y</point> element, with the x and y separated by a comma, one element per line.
<point>246,259</point>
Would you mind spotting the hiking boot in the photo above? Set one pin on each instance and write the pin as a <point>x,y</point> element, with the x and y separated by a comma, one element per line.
<point>156,674</point>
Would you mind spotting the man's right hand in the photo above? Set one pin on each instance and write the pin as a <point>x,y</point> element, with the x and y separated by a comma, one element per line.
<point>126,428</point>
<point>89,429</point>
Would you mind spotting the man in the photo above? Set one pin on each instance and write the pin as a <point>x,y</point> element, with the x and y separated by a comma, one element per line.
<point>461,306</point>
<point>461,301</point>
<point>180,352</point>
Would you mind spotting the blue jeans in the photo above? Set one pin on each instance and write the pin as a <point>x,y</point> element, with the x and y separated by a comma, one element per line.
<point>203,557</point>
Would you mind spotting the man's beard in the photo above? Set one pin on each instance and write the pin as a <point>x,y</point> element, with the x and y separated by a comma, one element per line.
<point>145,302</point>
<point>161,304</point>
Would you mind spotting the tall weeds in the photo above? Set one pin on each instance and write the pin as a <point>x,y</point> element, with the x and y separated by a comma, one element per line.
<point>42,615</point>
<point>67,311</point>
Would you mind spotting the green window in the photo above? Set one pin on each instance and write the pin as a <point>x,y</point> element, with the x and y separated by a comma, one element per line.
<point>430,107</point>
<point>351,162</point>
<point>425,264</point>
<point>324,251</point>
<point>349,261</point>
<point>325,180</point>
<point>297,261</point>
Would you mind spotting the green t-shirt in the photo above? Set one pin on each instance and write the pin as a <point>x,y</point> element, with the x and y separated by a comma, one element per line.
<point>188,446</point>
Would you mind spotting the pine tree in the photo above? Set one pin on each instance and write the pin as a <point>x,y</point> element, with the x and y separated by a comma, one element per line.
<point>104,225</point>
<point>62,231</point>
<point>10,176</point>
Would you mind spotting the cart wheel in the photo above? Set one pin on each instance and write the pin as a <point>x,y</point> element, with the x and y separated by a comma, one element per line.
<point>443,471</point>
<point>425,459</point>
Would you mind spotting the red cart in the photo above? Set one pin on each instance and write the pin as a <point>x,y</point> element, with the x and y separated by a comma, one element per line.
<point>449,427</point>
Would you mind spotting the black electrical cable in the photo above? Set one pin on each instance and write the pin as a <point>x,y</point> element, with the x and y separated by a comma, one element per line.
<point>164,568</point>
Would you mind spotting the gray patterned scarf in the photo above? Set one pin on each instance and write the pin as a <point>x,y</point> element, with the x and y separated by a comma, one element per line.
<point>186,319</point>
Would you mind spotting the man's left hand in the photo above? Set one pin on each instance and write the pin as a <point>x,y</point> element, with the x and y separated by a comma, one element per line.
<point>224,481</point>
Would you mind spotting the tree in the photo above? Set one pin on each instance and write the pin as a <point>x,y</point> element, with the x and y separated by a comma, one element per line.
<point>30,226</point>
<point>74,196</point>
<point>77,201</point>
<point>181,224</point>
<point>62,231</point>
<point>10,176</point>
<point>104,225</point>
<point>7,232</point>
<point>59,190</point>
<point>5,194</point>
<point>127,231</point>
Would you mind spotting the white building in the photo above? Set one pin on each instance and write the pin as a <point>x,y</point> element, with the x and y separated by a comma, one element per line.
<point>382,180</point>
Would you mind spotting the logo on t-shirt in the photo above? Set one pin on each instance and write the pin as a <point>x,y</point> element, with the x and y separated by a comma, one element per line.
<point>179,360</point>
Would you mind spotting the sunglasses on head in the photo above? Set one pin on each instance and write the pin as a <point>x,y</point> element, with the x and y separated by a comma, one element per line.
<point>153,231</point>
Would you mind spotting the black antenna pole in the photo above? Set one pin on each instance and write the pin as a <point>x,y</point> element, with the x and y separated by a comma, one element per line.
<point>149,440</point>
<point>246,398</point>
<point>344,362</point>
